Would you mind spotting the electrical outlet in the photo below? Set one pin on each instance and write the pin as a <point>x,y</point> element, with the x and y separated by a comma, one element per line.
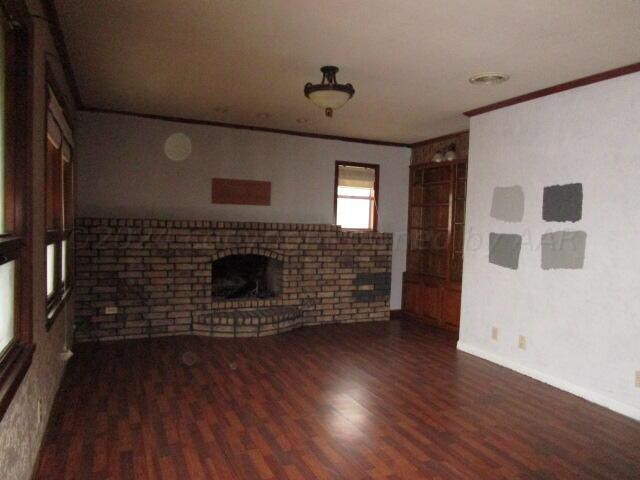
<point>111,310</point>
<point>522,342</point>
<point>494,333</point>
<point>638,378</point>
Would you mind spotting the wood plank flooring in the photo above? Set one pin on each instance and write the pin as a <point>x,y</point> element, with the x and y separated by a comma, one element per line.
<point>368,401</point>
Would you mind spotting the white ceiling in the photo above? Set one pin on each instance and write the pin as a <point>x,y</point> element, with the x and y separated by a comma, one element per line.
<point>409,60</point>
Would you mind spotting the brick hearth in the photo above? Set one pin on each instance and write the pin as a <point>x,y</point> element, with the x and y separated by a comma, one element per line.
<point>157,273</point>
<point>255,322</point>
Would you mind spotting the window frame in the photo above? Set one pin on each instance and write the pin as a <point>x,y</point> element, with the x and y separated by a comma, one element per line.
<point>376,194</point>
<point>16,357</point>
<point>58,203</point>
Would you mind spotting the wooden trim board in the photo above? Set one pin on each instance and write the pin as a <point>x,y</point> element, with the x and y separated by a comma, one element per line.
<point>236,126</point>
<point>581,82</point>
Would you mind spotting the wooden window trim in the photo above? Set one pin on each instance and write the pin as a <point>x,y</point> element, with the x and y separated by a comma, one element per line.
<point>61,290</point>
<point>16,357</point>
<point>59,207</point>
<point>376,189</point>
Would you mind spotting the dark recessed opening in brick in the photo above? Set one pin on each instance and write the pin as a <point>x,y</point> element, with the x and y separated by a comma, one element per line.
<point>245,276</point>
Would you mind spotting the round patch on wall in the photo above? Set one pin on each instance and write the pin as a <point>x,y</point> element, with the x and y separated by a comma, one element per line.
<point>178,147</point>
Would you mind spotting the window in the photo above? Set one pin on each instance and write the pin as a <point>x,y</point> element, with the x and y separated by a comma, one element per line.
<point>356,203</point>
<point>59,205</point>
<point>15,328</point>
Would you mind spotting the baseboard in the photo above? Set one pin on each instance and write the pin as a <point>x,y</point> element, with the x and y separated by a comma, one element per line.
<point>589,395</point>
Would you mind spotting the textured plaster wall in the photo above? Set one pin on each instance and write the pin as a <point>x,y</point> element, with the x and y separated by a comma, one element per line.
<point>581,321</point>
<point>20,432</point>
<point>508,204</point>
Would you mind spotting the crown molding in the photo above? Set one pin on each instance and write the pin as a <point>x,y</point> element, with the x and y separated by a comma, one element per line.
<point>237,126</point>
<point>437,139</point>
<point>581,82</point>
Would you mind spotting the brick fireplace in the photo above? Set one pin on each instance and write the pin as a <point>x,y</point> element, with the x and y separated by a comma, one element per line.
<point>246,276</point>
<point>139,278</point>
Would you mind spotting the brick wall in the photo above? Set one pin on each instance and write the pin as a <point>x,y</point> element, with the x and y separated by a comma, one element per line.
<point>158,273</point>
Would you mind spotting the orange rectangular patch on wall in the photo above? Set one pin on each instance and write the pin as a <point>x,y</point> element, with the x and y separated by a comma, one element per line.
<point>229,191</point>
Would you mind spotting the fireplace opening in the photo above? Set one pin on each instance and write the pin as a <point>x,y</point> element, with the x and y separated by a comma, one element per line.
<point>246,276</point>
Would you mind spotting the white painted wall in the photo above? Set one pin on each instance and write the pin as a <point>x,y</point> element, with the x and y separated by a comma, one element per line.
<point>122,171</point>
<point>582,326</point>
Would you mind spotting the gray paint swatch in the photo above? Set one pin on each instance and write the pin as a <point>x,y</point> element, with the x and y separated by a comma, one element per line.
<point>508,204</point>
<point>504,249</point>
<point>562,203</point>
<point>563,250</point>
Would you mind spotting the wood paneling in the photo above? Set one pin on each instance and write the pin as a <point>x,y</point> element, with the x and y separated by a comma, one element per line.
<point>390,400</point>
<point>240,192</point>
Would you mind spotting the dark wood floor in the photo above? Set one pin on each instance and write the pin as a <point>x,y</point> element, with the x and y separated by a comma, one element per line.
<point>371,401</point>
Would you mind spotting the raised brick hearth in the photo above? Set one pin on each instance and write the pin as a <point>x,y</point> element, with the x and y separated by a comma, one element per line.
<point>158,274</point>
<point>254,322</point>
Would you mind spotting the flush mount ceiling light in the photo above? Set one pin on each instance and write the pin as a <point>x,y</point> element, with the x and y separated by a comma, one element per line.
<point>489,78</point>
<point>329,94</point>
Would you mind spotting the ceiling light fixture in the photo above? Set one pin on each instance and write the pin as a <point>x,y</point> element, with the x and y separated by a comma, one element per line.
<point>329,94</point>
<point>489,78</point>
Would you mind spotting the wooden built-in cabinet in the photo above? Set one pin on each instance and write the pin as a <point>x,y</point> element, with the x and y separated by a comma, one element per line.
<point>432,282</point>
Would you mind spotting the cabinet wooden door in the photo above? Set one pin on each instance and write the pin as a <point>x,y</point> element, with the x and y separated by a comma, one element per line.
<point>436,242</point>
<point>410,298</point>
<point>431,300</point>
<point>451,307</point>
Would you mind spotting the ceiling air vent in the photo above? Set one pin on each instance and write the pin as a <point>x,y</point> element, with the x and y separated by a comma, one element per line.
<point>489,78</point>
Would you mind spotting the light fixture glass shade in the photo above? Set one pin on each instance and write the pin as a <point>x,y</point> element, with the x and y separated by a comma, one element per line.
<point>450,155</point>
<point>329,94</point>
<point>329,98</point>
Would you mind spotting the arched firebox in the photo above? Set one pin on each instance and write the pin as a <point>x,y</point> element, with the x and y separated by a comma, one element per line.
<point>245,276</point>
